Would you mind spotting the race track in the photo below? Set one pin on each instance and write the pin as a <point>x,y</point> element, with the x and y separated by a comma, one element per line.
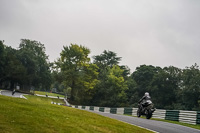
<point>9,93</point>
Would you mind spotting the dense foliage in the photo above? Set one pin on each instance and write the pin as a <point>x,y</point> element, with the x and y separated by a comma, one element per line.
<point>100,82</point>
<point>27,66</point>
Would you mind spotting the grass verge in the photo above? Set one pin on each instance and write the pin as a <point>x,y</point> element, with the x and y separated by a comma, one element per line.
<point>35,115</point>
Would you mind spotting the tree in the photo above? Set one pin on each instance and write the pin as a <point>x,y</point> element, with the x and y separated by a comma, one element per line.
<point>12,69</point>
<point>110,90</point>
<point>88,81</point>
<point>2,60</point>
<point>33,57</point>
<point>116,86</point>
<point>165,86</point>
<point>191,87</point>
<point>106,59</point>
<point>132,92</point>
<point>143,77</point>
<point>126,72</point>
<point>78,73</point>
<point>112,94</point>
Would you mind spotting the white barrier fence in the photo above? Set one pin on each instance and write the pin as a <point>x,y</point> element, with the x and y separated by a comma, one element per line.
<point>190,117</point>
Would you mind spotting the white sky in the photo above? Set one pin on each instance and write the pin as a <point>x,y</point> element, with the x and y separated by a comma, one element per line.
<point>151,32</point>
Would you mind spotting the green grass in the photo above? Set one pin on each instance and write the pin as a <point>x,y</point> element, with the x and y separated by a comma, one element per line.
<point>37,115</point>
<point>49,94</point>
<point>43,100</point>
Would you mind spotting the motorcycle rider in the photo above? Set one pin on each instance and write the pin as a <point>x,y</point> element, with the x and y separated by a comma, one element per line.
<point>144,101</point>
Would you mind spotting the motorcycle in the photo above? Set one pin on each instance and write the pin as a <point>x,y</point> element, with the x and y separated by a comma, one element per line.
<point>146,109</point>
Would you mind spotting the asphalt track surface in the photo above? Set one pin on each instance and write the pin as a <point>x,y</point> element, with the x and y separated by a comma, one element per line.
<point>9,93</point>
<point>155,126</point>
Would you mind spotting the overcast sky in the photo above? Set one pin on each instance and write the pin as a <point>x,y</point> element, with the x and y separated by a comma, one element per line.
<point>151,32</point>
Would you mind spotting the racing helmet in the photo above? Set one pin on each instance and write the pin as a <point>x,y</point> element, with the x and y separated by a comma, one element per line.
<point>146,93</point>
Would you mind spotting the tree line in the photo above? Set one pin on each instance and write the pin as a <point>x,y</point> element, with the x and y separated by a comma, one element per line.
<point>100,80</point>
<point>26,66</point>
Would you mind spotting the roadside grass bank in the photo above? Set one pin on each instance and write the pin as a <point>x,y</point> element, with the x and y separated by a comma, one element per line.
<point>35,115</point>
<point>49,94</point>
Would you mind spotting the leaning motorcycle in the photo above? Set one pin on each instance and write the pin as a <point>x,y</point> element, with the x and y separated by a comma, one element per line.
<point>147,109</point>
